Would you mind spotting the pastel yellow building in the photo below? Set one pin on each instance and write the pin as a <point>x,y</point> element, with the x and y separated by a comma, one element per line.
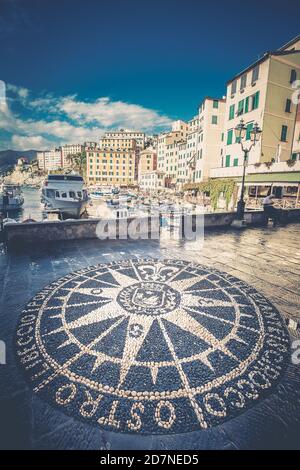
<point>111,167</point>
<point>147,161</point>
<point>262,93</point>
<point>117,143</point>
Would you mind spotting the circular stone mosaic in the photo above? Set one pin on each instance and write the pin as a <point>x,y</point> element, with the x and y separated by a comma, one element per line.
<point>152,346</point>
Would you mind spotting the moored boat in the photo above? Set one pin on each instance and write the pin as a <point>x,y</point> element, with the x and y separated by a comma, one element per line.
<point>11,198</point>
<point>66,194</point>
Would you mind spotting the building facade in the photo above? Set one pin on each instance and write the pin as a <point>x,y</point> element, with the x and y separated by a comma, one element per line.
<point>152,181</point>
<point>139,137</point>
<point>50,160</point>
<point>207,141</point>
<point>167,150</point>
<point>147,161</point>
<point>111,167</point>
<point>262,93</point>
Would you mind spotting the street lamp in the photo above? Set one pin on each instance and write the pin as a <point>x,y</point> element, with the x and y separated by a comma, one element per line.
<point>241,136</point>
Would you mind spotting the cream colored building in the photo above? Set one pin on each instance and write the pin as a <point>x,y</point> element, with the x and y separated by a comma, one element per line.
<point>117,143</point>
<point>296,141</point>
<point>262,93</point>
<point>147,161</point>
<point>182,165</point>
<point>50,160</point>
<point>111,167</point>
<point>210,137</point>
<point>139,137</point>
<point>167,150</point>
<point>203,145</point>
<point>152,181</point>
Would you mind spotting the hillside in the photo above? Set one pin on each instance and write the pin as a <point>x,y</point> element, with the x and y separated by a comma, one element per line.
<point>9,157</point>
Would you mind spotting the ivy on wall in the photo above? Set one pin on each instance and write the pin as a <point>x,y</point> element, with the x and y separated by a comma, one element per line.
<point>214,188</point>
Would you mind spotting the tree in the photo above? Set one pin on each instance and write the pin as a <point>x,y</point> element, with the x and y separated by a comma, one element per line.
<point>78,162</point>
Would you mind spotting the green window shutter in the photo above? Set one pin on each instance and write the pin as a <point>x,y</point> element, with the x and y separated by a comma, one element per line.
<point>222,137</point>
<point>231,112</point>
<point>235,162</point>
<point>247,104</point>
<point>229,137</point>
<point>214,119</point>
<point>227,161</point>
<point>249,129</point>
<point>284,131</point>
<point>216,104</point>
<point>241,107</point>
<point>294,156</point>
<point>256,100</point>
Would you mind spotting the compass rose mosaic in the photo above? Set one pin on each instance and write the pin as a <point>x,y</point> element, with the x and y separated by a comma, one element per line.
<point>152,346</point>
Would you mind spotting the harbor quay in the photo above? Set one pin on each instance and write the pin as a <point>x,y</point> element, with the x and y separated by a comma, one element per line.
<point>154,344</point>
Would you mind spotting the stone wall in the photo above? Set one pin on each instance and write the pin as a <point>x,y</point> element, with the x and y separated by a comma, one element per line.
<point>148,228</point>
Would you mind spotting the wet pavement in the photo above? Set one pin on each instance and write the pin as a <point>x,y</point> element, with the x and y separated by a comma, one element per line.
<point>267,260</point>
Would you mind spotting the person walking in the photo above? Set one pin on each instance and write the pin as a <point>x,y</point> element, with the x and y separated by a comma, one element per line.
<point>269,209</point>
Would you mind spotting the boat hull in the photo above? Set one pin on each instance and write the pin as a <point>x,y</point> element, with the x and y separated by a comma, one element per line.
<point>67,208</point>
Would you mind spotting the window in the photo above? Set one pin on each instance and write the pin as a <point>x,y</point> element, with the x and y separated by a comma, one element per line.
<point>216,104</point>
<point>214,119</point>
<point>57,194</point>
<point>284,130</point>
<point>249,129</point>
<point>293,76</point>
<point>233,87</point>
<point>64,195</point>
<point>288,105</point>
<point>72,194</point>
<point>241,107</point>
<point>231,112</point>
<point>294,156</point>
<point>243,81</point>
<point>247,104</point>
<point>227,161</point>
<point>229,137</point>
<point>235,162</point>
<point>255,100</point>
<point>50,193</point>
<point>255,74</point>
<point>222,137</point>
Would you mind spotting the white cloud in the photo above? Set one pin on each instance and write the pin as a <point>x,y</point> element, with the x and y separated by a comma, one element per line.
<point>73,120</point>
<point>113,114</point>
<point>37,142</point>
<point>20,92</point>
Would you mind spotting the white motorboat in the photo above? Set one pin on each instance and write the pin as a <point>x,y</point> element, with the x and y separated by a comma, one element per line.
<point>11,198</point>
<point>65,193</point>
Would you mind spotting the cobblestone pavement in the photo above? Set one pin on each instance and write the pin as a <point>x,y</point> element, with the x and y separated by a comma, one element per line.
<point>267,259</point>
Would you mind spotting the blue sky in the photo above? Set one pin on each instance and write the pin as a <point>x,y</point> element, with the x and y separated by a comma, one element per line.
<point>75,68</point>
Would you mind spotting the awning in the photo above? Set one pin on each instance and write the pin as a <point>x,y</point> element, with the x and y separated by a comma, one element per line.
<point>292,177</point>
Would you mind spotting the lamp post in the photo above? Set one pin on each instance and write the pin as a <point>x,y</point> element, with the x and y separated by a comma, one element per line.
<point>241,136</point>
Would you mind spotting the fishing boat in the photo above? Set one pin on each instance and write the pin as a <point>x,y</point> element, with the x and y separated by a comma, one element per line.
<point>11,198</point>
<point>66,194</point>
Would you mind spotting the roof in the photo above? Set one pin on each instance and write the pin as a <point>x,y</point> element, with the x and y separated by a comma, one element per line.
<point>290,43</point>
<point>267,55</point>
<point>210,98</point>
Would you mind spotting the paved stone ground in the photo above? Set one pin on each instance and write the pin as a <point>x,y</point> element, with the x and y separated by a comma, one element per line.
<point>268,259</point>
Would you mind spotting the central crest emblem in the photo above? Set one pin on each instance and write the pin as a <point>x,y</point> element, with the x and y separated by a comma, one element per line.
<point>150,298</point>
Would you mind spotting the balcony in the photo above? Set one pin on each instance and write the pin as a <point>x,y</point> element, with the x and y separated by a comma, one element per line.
<point>279,167</point>
<point>236,171</point>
